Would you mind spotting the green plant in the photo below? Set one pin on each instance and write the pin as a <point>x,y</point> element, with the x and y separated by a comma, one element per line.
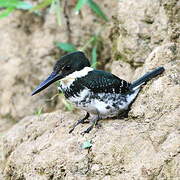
<point>67,47</point>
<point>68,106</point>
<point>9,6</point>
<point>55,7</point>
<point>43,4</point>
<point>94,6</point>
<point>87,144</point>
<point>39,111</point>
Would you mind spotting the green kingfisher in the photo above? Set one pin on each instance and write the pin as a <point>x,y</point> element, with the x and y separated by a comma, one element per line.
<point>101,94</point>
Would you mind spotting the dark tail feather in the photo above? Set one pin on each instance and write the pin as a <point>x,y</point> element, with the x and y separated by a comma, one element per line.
<point>148,76</point>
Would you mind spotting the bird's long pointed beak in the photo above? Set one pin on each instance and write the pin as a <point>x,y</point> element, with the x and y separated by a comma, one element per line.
<point>52,78</point>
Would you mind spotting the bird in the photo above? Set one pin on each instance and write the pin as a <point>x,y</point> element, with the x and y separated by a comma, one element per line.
<point>100,93</point>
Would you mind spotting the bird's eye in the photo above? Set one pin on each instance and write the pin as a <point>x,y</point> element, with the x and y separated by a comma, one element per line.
<point>68,67</point>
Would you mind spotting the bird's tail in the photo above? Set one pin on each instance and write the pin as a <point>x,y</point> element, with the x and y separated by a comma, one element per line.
<point>148,76</point>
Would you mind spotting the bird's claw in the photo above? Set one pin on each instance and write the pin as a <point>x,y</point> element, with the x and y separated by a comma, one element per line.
<point>71,130</point>
<point>87,130</point>
<point>81,121</point>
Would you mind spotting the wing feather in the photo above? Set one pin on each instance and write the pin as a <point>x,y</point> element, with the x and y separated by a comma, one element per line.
<point>103,82</point>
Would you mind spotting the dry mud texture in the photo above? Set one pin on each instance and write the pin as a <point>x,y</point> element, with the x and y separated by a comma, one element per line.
<point>144,146</point>
<point>144,25</point>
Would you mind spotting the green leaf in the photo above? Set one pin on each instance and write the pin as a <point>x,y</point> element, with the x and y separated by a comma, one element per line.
<point>68,106</point>
<point>23,5</point>
<point>97,9</point>
<point>8,3</point>
<point>58,12</point>
<point>80,4</point>
<point>66,47</point>
<point>90,41</point>
<point>57,9</point>
<point>94,57</point>
<point>6,12</point>
<point>41,5</point>
<point>39,111</point>
<point>87,144</point>
<point>15,4</point>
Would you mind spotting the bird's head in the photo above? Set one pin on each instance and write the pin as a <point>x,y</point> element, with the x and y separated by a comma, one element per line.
<point>67,64</point>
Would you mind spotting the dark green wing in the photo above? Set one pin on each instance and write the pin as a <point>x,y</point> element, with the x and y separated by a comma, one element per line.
<point>103,82</point>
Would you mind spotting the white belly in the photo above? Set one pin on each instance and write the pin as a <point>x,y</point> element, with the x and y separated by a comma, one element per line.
<point>107,105</point>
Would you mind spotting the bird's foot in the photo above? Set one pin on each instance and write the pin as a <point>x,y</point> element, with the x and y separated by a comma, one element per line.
<point>81,121</point>
<point>94,122</point>
<point>87,130</point>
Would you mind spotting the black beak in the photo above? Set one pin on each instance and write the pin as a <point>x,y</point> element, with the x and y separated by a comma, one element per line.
<point>52,78</point>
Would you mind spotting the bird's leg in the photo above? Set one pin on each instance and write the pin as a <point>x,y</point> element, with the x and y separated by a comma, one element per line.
<point>81,121</point>
<point>93,123</point>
